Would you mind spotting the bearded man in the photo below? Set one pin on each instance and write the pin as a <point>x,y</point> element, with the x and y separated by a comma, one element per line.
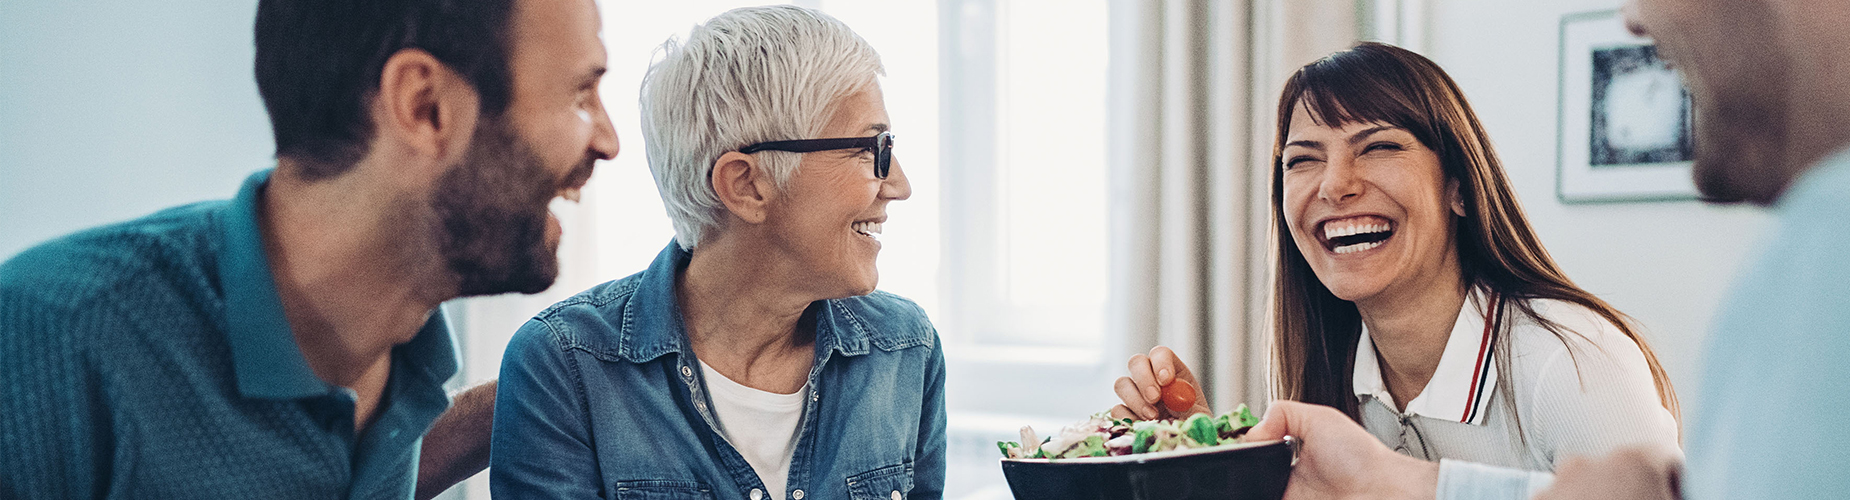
<point>287,343</point>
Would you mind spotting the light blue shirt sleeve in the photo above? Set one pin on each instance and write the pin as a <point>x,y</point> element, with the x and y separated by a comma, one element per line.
<point>1460,480</point>
<point>1776,384</point>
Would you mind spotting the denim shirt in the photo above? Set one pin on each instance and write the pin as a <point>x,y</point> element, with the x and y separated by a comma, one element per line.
<point>601,397</point>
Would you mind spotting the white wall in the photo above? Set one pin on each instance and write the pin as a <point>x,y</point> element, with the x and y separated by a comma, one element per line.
<point>1667,264</point>
<point>110,110</point>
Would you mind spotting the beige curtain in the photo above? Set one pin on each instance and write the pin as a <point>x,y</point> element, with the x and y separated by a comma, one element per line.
<point>1193,91</point>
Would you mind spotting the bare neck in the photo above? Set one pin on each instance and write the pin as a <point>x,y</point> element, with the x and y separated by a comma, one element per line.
<point>351,284</point>
<point>1410,328</point>
<point>742,306</point>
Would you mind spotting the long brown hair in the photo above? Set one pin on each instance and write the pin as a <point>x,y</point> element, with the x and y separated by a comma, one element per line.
<point>1316,332</point>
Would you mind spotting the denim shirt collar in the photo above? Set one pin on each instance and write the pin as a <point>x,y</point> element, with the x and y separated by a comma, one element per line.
<point>655,326</point>
<point>265,357</point>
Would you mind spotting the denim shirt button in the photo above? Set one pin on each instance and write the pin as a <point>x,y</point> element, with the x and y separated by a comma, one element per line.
<point>757,494</point>
<point>895,494</point>
<point>815,396</point>
<point>687,372</point>
<point>796,495</point>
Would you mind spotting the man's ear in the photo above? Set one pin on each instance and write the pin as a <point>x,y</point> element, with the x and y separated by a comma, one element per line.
<point>743,186</point>
<point>425,106</point>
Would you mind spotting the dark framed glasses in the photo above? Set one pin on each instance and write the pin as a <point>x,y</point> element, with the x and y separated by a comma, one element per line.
<point>882,145</point>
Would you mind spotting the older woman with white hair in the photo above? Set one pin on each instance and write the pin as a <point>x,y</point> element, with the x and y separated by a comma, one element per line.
<point>753,359</point>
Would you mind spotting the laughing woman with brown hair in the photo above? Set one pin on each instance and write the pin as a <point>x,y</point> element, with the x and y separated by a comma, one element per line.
<point>1412,294</point>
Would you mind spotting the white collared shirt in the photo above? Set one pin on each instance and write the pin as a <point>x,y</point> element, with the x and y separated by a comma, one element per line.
<point>1590,399</point>
<point>1460,386</point>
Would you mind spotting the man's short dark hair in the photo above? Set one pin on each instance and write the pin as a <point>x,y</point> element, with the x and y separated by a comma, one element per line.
<point>319,63</point>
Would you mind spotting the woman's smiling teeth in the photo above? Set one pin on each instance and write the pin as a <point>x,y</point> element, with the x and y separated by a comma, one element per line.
<point>1356,234</point>
<point>868,229</point>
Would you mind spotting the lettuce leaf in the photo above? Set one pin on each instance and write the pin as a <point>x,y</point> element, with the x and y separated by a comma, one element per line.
<point>1202,429</point>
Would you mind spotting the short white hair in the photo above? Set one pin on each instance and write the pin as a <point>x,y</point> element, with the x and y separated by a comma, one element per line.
<point>749,75</point>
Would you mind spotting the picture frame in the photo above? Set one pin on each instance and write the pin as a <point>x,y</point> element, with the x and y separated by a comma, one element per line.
<point>1625,117</point>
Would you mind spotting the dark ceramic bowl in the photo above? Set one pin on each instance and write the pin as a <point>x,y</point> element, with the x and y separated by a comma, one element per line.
<point>1246,471</point>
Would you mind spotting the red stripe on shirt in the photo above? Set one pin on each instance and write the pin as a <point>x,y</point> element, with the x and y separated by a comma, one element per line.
<point>1478,372</point>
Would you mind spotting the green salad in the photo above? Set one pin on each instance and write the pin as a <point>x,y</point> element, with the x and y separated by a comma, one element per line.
<point>1102,436</point>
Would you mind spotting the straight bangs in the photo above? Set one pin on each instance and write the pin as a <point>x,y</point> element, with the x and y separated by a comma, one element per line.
<point>1337,92</point>
<point>1375,83</point>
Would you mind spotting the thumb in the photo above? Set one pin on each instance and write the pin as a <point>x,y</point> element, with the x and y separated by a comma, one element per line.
<point>1275,425</point>
<point>1168,367</point>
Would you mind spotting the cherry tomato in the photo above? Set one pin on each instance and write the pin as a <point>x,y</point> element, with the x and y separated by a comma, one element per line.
<point>1179,396</point>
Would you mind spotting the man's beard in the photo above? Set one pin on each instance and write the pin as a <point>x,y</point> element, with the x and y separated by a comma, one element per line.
<point>493,208</point>
<point>1740,149</point>
<point>1741,122</point>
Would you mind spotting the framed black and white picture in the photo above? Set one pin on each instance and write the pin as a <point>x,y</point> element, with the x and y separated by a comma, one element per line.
<point>1625,116</point>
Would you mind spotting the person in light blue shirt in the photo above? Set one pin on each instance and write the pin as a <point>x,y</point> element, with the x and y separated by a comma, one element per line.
<point>288,344</point>
<point>1773,129</point>
<point>753,359</point>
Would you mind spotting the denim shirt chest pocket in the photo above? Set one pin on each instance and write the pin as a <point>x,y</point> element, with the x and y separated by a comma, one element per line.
<point>892,482</point>
<point>660,490</point>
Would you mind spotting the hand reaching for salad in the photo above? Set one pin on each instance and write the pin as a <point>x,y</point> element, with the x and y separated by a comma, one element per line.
<point>1159,386</point>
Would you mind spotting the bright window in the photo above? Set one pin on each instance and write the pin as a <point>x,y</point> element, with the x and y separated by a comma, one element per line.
<point>1024,235</point>
<point>1026,230</point>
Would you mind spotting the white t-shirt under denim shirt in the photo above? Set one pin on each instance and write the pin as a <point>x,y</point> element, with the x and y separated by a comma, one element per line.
<point>762,425</point>
<point>1583,393</point>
